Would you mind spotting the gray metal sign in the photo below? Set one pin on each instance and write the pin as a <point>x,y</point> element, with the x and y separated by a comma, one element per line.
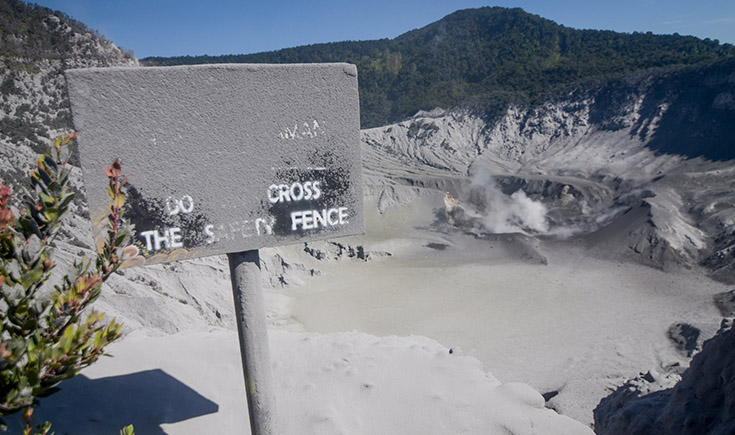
<point>223,158</point>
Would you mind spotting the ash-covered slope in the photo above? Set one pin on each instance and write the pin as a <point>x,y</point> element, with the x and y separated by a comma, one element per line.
<point>638,168</point>
<point>36,46</point>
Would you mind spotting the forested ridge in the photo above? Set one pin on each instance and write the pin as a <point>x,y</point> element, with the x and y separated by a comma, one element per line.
<point>491,55</point>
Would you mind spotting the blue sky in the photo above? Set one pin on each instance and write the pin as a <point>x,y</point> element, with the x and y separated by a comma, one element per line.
<point>181,27</point>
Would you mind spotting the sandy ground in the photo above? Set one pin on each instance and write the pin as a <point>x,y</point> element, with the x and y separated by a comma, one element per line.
<point>577,325</point>
<point>343,383</point>
<point>347,383</point>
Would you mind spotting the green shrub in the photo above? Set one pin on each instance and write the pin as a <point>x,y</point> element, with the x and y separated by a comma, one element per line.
<point>49,335</point>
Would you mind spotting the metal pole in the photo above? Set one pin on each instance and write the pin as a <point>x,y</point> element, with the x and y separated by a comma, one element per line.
<point>251,327</point>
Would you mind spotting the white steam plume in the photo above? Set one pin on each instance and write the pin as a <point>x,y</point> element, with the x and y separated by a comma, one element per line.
<point>500,213</point>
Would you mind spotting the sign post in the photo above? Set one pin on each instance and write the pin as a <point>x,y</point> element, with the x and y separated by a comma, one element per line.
<point>225,159</point>
<point>254,351</point>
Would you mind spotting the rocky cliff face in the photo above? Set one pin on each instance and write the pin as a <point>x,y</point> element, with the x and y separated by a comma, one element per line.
<point>648,157</point>
<point>703,401</point>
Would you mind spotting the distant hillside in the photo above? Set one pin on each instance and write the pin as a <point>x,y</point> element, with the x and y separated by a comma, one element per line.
<point>494,55</point>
